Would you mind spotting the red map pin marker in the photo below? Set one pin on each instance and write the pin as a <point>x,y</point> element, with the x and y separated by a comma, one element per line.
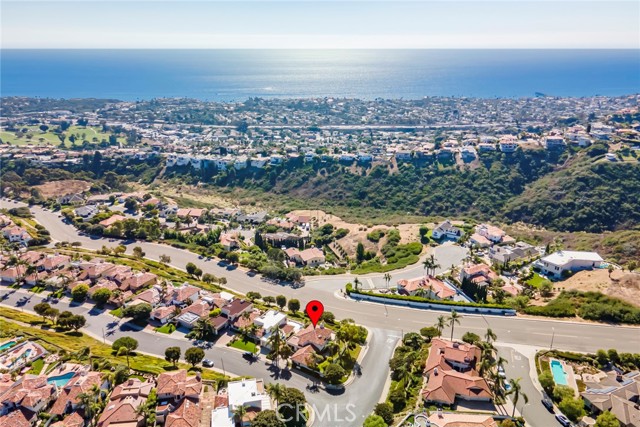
<point>314,310</point>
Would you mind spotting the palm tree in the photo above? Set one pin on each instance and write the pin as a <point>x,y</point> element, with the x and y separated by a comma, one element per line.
<point>387,278</point>
<point>422,292</point>
<point>275,342</point>
<point>430,264</point>
<point>485,366</point>
<point>332,347</point>
<point>239,412</point>
<point>441,324</point>
<point>202,329</point>
<point>124,351</point>
<point>276,391</point>
<point>454,319</point>
<point>516,391</point>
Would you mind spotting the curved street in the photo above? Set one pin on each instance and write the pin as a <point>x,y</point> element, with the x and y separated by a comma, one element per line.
<point>385,323</point>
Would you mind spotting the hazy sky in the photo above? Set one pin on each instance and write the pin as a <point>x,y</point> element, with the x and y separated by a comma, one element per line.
<point>320,24</point>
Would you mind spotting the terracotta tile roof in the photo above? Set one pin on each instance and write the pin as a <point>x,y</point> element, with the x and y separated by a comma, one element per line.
<point>177,383</point>
<point>19,418</point>
<point>242,322</point>
<point>303,355</point>
<point>317,337</point>
<point>186,414</point>
<point>80,383</point>
<point>236,307</point>
<point>30,391</point>
<point>124,402</point>
<point>163,312</point>
<point>220,401</point>
<point>72,420</point>
<point>438,287</point>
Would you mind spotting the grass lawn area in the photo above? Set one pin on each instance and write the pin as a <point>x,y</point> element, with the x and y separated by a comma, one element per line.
<point>244,346</point>
<point>116,312</point>
<point>166,329</point>
<point>73,342</point>
<point>536,280</point>
<point>36,367</point>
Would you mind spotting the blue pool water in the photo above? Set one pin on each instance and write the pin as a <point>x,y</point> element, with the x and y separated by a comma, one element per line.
<point>7,345</point>
<point>558,373</point>
<point>61,380</point>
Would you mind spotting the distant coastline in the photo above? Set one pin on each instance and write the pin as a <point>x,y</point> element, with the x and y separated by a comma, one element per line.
<point>236,75</point>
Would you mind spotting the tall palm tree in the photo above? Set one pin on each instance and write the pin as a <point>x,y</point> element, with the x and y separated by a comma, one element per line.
<point>239,412</point>
<point>454,319</point>
<point>490,336</point>
<point>422,292</point>
<point>441,323</point>
<point>516,391</point>
<point>276,391</point>
<point>202,329</point>
<point>387,278</point>
<point>275,342</point>
<point>430,264</point>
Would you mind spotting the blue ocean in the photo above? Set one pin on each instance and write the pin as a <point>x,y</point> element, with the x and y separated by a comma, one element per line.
<point>235,75</point>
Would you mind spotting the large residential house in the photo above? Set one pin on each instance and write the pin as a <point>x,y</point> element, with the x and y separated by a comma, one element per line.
<point>81,382</point>
<point>557,263</point>
<point>446,230</point>
<point>122,408</point>
<point>617,394</point>
<point>451,373</point>
<point>311,257</point>
<point>179,399</point>
<point>429,286</point>
<point>31,394</point>
<point>512,253</point>
<point>249,393</point>
<point>480,274</point>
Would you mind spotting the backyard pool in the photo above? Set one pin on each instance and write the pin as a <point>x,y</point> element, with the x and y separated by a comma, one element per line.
<point>61,380</point>
<point>559,375</point>
<point>7,345</point>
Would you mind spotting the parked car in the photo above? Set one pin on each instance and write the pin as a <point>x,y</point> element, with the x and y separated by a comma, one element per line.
<point>563,420</point>
<point>507,387</point>
<point>548,403</point>
<point>208,363</point>
<point>501,372</point>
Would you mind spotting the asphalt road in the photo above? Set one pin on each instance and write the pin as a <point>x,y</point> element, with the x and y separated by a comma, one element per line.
<point>384,321</point>
<point>356,401</point>
<point>575,336</point>
<point>520,366</point>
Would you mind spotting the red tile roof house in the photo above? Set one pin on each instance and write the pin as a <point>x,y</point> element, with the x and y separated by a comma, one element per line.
<point>138,281</point>
<point>32,393</point>
<point>235,308</point>
<point>304,357</point>
<point>229,241</point>
<point>311,257</point>
<point>19,418</point>
<point>53,262</point>
<point>196,311</point>
<point>176,386</point>
<point>102,284</point>
<point>435,288</point>
<point>111,220</point>
<point>122,408</point>
<point>478,273</point>
<point>315,337</point>
<point>163,314</point>
<point>182,294</point>
<point>82,382</point>
<point>451,373</point>
<point>72,420</point>
<point>12,274</point>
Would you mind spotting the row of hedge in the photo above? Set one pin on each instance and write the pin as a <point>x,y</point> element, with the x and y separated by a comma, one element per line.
<point>410,298</point>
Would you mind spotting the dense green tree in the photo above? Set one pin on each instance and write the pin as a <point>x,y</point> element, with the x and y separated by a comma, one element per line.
<point>374,421</point>
<point>607,419</point>
<point>172,354</point>
<point>194,355</point>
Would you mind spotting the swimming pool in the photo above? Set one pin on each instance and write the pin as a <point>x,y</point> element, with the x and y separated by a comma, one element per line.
<point>559,376</point>
<point>61,380</point>
<point>7,345</point>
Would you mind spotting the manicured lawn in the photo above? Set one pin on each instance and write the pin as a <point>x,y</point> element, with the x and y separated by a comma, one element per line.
<point>116,312</point>
<point>536,280</point>
<point>36,367</point>
<point>166,329</point>
<point>244,346</point>
<point>39,138</point>
<point>72,342</point>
